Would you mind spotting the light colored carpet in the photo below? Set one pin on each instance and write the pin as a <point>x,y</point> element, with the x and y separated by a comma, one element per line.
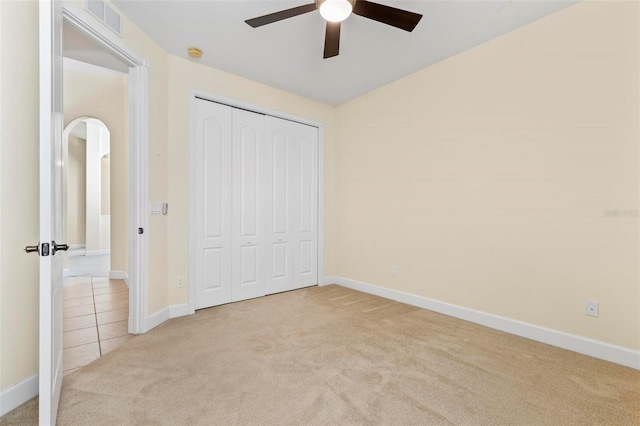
<point>333,356</point>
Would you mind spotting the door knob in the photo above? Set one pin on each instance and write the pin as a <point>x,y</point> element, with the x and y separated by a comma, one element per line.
<point>32,249</point>
<point>58,247</point>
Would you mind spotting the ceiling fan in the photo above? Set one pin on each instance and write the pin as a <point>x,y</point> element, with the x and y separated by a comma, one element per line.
<point>336,11</point>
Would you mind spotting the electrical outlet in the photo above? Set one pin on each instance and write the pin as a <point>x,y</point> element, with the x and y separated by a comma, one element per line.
<point>180,282</point>
<point>591,308</point>
<point>394,271</point>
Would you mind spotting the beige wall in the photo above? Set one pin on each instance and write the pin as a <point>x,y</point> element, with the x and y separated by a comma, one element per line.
<point>157,60</point>
<point>104,96</point>
<point>18,192</point>
<point>183,76</point>
<point>76,190</point>
<point>486,178</point>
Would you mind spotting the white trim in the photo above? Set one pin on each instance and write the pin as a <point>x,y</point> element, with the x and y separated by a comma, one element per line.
<point>16,395</point>
<point>105,40</point>
<point>119,275</point>
<point>328,280</point>
<point>173,311</point>
<point>193,93</point>
<point>86,25</point>
<point>75,65</point>
<point>193,159</point>
<point>320,229</point>
<point>252,107</point>
<point>595,348</point>
<point>152,321</point>
<point>138,197</point>
<point>180,310</point>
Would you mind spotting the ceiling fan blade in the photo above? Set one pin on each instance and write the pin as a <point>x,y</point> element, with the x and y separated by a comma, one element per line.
<point>279,16</point>
<point>332,40</point>
<point>398,18</point>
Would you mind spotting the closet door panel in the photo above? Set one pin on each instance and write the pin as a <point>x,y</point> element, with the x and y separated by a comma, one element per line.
<point>305,171</point>
<point>249,182</point>
<point>213,204</point>
<point>279,140</point>
<point>213,260</point>
<point>280,196</point>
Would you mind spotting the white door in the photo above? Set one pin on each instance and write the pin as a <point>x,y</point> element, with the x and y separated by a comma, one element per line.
<point>213,204</point>
<point>279,157</point>
<point>255,204</point>
<point>50,374</point>
<point>249,184</point>
<point>292,205</point>
<point>305,210</point>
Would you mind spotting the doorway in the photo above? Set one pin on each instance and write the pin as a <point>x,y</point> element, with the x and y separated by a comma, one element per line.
<point>87,159</point>
<point>89,45</point>
<point>95,308</point>
<point>95,180</point>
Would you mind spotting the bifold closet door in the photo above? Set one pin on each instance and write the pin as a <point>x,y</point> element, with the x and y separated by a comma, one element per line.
<point>250,183</point>
<point>291,218</point>
<point>305,221</point>
<point>280,202</point>
<point>213,210</point>
<point>256,204</point>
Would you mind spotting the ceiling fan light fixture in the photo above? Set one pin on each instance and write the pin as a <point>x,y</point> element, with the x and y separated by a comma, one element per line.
<point>335,10</point>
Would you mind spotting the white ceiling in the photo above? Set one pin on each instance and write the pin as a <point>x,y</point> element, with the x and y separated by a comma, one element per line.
<point>288,54</point>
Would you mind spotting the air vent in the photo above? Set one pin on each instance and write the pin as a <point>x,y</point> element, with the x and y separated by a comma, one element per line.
<point>105,14</point>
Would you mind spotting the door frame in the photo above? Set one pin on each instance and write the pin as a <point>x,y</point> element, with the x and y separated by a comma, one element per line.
<point>138,158</point>
<point>194,94</point>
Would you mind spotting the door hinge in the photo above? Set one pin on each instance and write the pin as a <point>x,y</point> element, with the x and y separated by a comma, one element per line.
<point>45,249</point>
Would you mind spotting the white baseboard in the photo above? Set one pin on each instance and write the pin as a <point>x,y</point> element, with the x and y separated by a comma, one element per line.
<point>163,315</point>
<point>327,280</point>
<point>119,275</point>
<point>156,319</point>
<point>181,310</point>
<point>595,348</point>
<point>96,252</point>
<point>16,395</point>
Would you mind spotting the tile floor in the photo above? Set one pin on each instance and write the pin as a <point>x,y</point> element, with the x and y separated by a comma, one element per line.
<point>96,312</point>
